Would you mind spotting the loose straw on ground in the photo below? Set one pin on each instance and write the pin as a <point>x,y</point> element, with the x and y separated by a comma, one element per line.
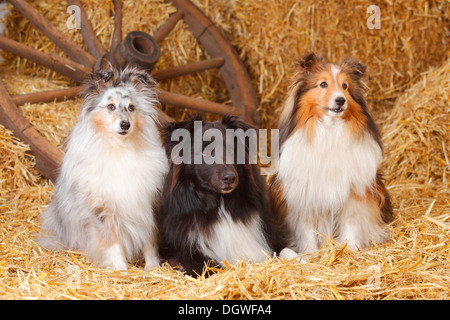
<point>409,90</point>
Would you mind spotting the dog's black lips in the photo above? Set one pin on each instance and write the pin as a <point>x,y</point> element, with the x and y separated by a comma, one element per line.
<point>227,190</point>
<point>123,132</point>
<point>335,110</point>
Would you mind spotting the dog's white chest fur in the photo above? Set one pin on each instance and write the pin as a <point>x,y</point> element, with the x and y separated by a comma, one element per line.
<point>318,174</point>
<point>233,240</point>
<point>127,185</point>
<point>126,180</point>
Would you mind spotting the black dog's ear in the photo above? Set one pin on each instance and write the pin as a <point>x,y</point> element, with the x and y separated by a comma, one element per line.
<point>167,133</point>
<point>245,135</point>
<point>196,117</point>
<point>233,122</point>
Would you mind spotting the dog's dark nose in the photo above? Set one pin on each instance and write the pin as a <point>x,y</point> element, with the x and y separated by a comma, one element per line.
<point>229,178</point>
<point>340,101</point>
<point>125,125</point>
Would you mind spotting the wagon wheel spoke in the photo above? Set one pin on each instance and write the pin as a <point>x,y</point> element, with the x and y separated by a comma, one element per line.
<point>168,26</point>
<point>47,96</point>
<point>51,61</point>
<point>180,100</point>
<point>93,45</point>
<point>48,158</point>
<point>188,68</point>
<point>117,34</point>
<point>57,37</point>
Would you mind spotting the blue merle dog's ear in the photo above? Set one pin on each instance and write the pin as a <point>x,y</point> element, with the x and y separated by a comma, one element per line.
<point>100,79</point>
<point>145,78</point>
<point>137,76</point>
<point>104,75</point>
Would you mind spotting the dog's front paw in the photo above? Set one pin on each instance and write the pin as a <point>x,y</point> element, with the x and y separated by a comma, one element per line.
<point>114,259</point>
<point>119,266</point>
<point>152,263</point>
<point>287,253</point>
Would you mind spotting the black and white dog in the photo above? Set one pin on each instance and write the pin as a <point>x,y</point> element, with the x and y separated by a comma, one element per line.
<point>213,210</point>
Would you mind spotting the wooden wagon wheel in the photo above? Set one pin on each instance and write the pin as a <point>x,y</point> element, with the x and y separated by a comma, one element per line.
<point>137,48</point>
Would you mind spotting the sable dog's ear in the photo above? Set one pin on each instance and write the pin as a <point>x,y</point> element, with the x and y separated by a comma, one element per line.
<point>354,68</point>
<point>358,74</point>
<point>308,61</point>
<point>307,64</point>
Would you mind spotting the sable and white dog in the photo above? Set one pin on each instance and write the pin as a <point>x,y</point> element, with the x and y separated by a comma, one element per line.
<point>327,183</point>
<point>112,174</point>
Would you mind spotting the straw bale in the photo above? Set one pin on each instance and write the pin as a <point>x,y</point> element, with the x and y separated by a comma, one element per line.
<point>417,130</point>
<point>409,84</point>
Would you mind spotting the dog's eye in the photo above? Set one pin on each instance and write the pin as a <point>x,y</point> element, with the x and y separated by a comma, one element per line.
<point>344,86</point>
<point>323,84</point>
<point>111,107</point>
<point>131,107</point>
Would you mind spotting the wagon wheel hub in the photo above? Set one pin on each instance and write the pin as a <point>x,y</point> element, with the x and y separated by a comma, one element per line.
<point>138,48</point>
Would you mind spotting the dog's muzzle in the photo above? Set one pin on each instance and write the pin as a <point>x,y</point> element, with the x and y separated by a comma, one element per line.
<point>125,126</point>
<point>339,105</point>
